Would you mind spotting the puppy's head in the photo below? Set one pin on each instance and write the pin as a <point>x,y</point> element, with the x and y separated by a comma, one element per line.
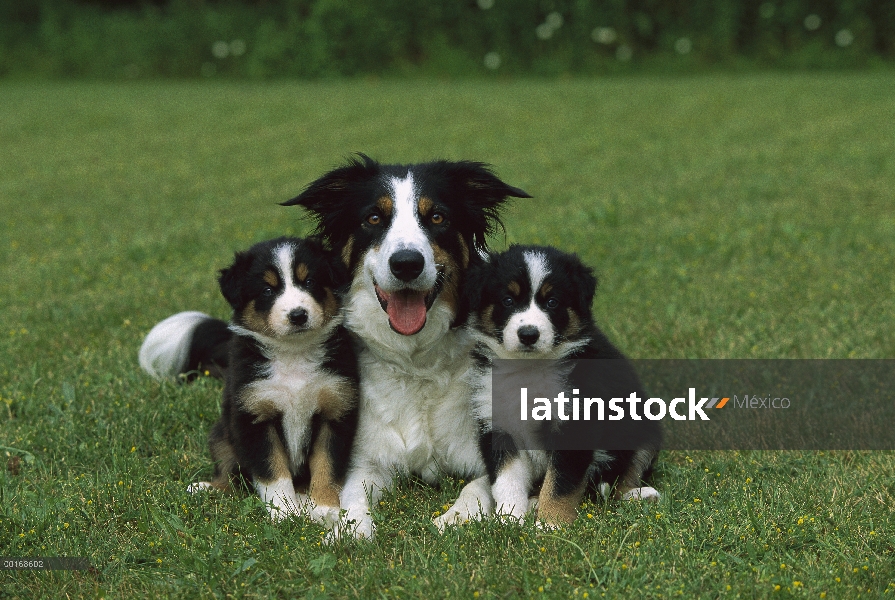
<point>283,287</point>
<point>530,300</point>
<point>407,233</point>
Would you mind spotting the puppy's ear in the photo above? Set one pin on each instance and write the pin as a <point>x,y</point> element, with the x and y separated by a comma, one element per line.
<point>233,277</point>
<point>585,281</point>
<point>328,199</point>
<point>483,194</point>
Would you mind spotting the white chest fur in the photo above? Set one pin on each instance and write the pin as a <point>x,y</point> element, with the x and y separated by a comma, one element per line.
<point>291,385</point>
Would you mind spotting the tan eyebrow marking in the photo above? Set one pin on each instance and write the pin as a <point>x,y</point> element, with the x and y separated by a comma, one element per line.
<point>514,288</point>
<point>301,272</point>
<point>425,205</point>
<point>386,205</point>
<point>271,278</point>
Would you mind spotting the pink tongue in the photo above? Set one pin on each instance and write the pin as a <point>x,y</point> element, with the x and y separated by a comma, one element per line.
<point>406,311</point>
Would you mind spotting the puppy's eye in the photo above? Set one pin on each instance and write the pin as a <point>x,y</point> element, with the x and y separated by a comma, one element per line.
<point>552,303</point>
<point>267,291</point>
<point>508,301</point>
<point>437,218</point>
<point>308,282</point>
<point>374,219</point>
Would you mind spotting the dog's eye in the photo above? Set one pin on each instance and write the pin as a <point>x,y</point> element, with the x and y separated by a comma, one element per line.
<point>437,218</point>
<point>374,219</point>
<point>508,301</point>
<point>267,291</point>
<point>308,282</point>
<point>552,303</point>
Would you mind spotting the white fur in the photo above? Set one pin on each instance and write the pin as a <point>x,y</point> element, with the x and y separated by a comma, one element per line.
<point>533,315</point>
<point>414,401</point>
<point>474,502</point>
<point>291,297</point>
<point>166,349</point>
<point>404,233</point>
<point>292,382</point>
<point>512,486</point>
<point>280,498</point>
<point>642,493</point>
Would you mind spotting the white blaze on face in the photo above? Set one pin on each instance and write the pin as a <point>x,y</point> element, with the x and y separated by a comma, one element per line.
<point>404,233</point>
<point>532,315</point>
<point>291,297</point>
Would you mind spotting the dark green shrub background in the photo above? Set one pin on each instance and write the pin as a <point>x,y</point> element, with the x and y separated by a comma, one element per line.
<point>322,38</point>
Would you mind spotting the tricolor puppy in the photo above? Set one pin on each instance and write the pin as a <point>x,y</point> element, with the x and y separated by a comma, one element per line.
<point>289,408</point>
<point>533,302</point>
<point>408,234</point>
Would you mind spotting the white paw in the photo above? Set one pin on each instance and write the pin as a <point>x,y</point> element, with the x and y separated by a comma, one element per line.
<point>512,512</point>
<point>328,516</point>
<point>605,488</point>
<point>642,493</point>
<point>199,486</point>
<point>544,526</point>
<point>458,514</point>
<point>347,528</point>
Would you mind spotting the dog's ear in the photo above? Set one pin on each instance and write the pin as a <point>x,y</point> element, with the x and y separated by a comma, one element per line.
<point>328,198</point>
<point>229,279</point>
<point>483,194</point>
<point>584,279</point>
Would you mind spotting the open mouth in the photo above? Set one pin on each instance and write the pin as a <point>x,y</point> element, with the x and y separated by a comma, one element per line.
<point>406,308</point>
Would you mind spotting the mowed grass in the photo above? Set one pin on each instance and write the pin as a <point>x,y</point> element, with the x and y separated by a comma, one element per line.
<point>737,217</point>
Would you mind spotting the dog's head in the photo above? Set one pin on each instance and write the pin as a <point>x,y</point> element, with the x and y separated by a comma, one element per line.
<point>530,301</point>
<point>407,233</point>
<point>283,287</point>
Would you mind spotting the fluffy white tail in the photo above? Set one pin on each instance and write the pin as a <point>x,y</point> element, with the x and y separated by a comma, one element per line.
<point>166,349</point>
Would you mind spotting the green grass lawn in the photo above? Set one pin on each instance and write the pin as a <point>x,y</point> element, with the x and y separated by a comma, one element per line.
<point>747,217</point>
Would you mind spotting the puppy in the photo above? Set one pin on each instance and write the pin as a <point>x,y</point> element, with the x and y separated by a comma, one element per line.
<point>533,302</point>
<point>289,409</point>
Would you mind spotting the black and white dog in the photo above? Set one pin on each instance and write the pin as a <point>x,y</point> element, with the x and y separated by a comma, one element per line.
<point>408,234</point>
<point>289,409</point>
<point>533,303</point>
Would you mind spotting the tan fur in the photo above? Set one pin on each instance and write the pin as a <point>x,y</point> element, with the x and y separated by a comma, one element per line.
<point>514,288</point>
<point>545,289</point>
<point>222,454</point>
<point>279,460</point>
<point>324,489</point>
<point>487,321</point>
<point>554,509</point>
<point>336,400</point>
<point>301,272</point>
<point>255,321</point>
<point>450,291</point>
<point>346,251</point>
<point>464,249</point>
<point>425,206</point>
<point>574,326</point>
<point>270,277</point>
<point>330,306</point>
<point>386,205</point>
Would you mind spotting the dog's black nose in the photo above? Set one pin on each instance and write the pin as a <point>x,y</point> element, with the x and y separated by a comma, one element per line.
<point>406,265</point>
<point>298,317</point>
<point>529,335</point>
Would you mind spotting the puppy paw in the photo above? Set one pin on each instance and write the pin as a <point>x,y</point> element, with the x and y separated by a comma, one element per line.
<point>642,493</point>
<point>328,516</point>
<point>199,486</point>
<point>346,528</point>
<point>456,515</point>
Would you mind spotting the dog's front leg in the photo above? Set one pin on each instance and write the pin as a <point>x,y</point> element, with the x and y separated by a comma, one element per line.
<point>363,485</point>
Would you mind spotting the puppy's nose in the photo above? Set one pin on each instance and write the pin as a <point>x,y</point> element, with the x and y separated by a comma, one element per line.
<point>528,335</point>
<point>298,317</point>
<point>406,265</point>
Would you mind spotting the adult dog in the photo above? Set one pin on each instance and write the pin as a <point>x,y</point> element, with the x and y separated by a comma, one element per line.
<point>408,234</point>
